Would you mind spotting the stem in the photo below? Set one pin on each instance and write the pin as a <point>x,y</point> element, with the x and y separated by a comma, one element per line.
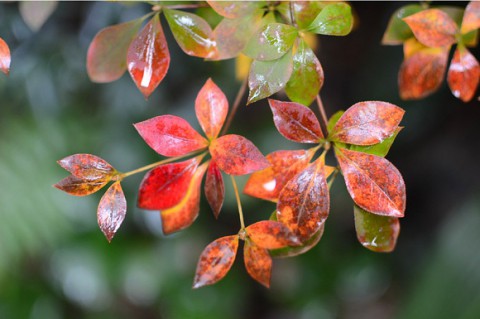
<point>322,111</point>
<point>237,196</point>
<point>236,104</point>
<point>187,6</point>
<point>292,15</point>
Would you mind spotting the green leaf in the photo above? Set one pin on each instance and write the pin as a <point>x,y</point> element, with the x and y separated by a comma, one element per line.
<point>271,42</point>
<point>380,149</point>
<point>334,19</point>
<point>397,30</point>
<point>333,120</point>
<point>298,250</point>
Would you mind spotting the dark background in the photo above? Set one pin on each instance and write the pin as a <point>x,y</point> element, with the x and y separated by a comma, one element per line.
<point>55,262</point>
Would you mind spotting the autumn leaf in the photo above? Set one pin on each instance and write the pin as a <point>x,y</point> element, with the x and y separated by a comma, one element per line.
<point>215,261</point>
<point>211,108</point>
<point>471,17</point>
<point>381,149</point>
<point>111,210</point>
<point>305,12</point>
<point>270,234</point>
<point>5,57</point>
<point>271,42</point>
<point>301,249</point>
<point>258,263</point>
<point>234,9</point>
<point>334,19</point>
<point>214,188</point>
<point>87,167</point>
<point>397,30</point>
<point>80,187</point>
<point>463,74</point>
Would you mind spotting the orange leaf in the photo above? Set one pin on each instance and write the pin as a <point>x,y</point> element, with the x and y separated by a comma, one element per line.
<point>215,261</point>
<point>471,17</point>
<point>214,188</point>
<point>87,166</point>
<point>111,210</point>
<point>270,234</point>
<point>433,28</point>
<point>5,57</point>
<point>80,187</point>
<point>211,108</point>
<point>258,263</point>
<point>463,74</point>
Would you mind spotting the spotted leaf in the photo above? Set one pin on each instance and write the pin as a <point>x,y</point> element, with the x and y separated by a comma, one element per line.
<point>214,188</point>
<point>270,234</point>
<point>87,166</point>
<point>471,17</point>
<point>334,19</point>
<point>80,187</point>
<point>271,42</point>
<point>258,263</point>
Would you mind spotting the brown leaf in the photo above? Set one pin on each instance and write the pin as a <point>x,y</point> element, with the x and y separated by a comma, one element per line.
<point>111,210</point>
<point>270,234</point>
<point>463,74</point>
<point>87,166</point>
<point>258,263</point>
<point>214,188</point>
<point>433,28</point>
<point>80,187</point>
<point>5,57</point>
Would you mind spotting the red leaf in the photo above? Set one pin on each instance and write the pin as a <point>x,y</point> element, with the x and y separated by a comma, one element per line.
<point>87,166</point>
<point>367,123</point>
<point>463,74</point>
<point>165,186</point>
<point>471,17</point>
<point>111,210</point>
<point>148,58</point>
<point>215,261</point>
<point>270,234</point>
<point>258,263</point>
<point>170,135</point>
<point>107,53</point>
<point>373,182</point>
<point>267,183</point>
<point>5,57</point>
<point>235,155</point>
<point>296,122</point>
<point>186,211</point>
<point>304,202</point>
<point>211,108</point>
<point>214,188</point>
<point>80,187</point>
<point>433,27</point>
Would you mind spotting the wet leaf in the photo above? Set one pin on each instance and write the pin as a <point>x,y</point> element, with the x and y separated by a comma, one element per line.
<point>186,211</point>
<point>334,19</point>
<point>165,186</point>
<point>367,123</point>
<point>80,187</point>
<point>271,42</point>
<point>333,121</point>
<point>215,261</point>
<point>234,9</point>
<point>214,188</point>
<point>298,250</point>
<point>306,69</point>
<point>148,58</point>
<point>284,165</point>
<point>258,263</point>
<point>107,53</point>
<point>36,13</point>
<point>269,77</point>
<point>211,108</point>
<point>397,30</point>
<point>296,122</point>
<point>471,17</point>
<point>111,210</point>
<point>304,202</point>
<point>433,28</point>
<point>463,74</point>
<point>192,33</point>
<point>373,182</point>
<point>5,57</point>
<point>380,149</point>
<point>270,234</point>
<point>374,232</point>
<point>170,135</point>
<point>235,155</point>
<point>87,166</point>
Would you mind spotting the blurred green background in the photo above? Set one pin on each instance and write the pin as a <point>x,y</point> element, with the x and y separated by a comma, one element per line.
<point>55,262</point>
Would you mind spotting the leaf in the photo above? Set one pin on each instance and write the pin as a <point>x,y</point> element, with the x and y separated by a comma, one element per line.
<point>215,261</point>
<point>165,186</point>
<point>234,9</point>
<point>269,77</point>
<point>306,69</point>
<point>80,187</point>
<point>270,234</point>
<point>214,188</point>
<point>107,53</point>
<point>148,58</point>
<point>306,11</point>
<point>5,57</point>
<point>186,211</point>
<point>334,19</point>
<point>367,123</point>
<point>170,135</point>
<point>373,182</point>
<point>296,122</point>
<point>211,108</point>
<point>471,17</point>
<point>35,13</point>
<point>258,263</point>
<point>298,250</point>
<point>235,155</point>
<point>192,33</point>
<point>284,165</point>
<point>333,121</point>
<point>381,149</point>
<point>271,42</point>
<point>87,166</point>
<point>433,28</point>
<point>111,210</point>
<point>463,74</point>
<point>374,232</point>
<point>397,30</point>
<point>304,202</point>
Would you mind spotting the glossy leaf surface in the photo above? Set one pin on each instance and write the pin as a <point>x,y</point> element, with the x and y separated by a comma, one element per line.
<point>463,74</point>
<point>211,108</point>
<point>234,9</point>
<point>334,19</point>
<point>80,187</point>
<point>258,263</point>
<point>433,27</point>
<point>397,30</point>
<point>373,182</point>
<point>270,234</point>
<point>87,166</point>
<point>374,232</point>
<point>296,122</point>
<point>214,188</point>
<point>271,42</point>
<point>36,13</point>
<point>380,149</point>
<point>170,135</point>
<point>215,261</point>
<point>471,17</point>
<point>235,155</point>
<point>5,57</point>
<point>111,210</point>
<point>298,250</point>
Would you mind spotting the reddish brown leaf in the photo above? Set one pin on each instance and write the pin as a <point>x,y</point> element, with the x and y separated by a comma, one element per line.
<point>214,188</point>
<point>148,58</point>
<point>471,17</point>
<point>304,202</point>
<point>111,210</point>
<point>170,135</point>
<point>270,234</point>
<point>165,186</point>
<point>80,187</point>
<point>258,263</point>
<point>5,57</point>
<point>267,183</point>
<point>296,122</point>
<point>463,74</point>
<point>235,155</point>
<point>215,261</point>
<point>433,28</point>
<point>367,123</point>
<point>211,108</point>
<point>87,166</point>
<point>186,211</point>
<point>373,182</point>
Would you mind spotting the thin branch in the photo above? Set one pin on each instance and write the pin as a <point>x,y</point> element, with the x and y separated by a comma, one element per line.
<point>236,104</point>
<point>322,112</point>
<point>237,196</point>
